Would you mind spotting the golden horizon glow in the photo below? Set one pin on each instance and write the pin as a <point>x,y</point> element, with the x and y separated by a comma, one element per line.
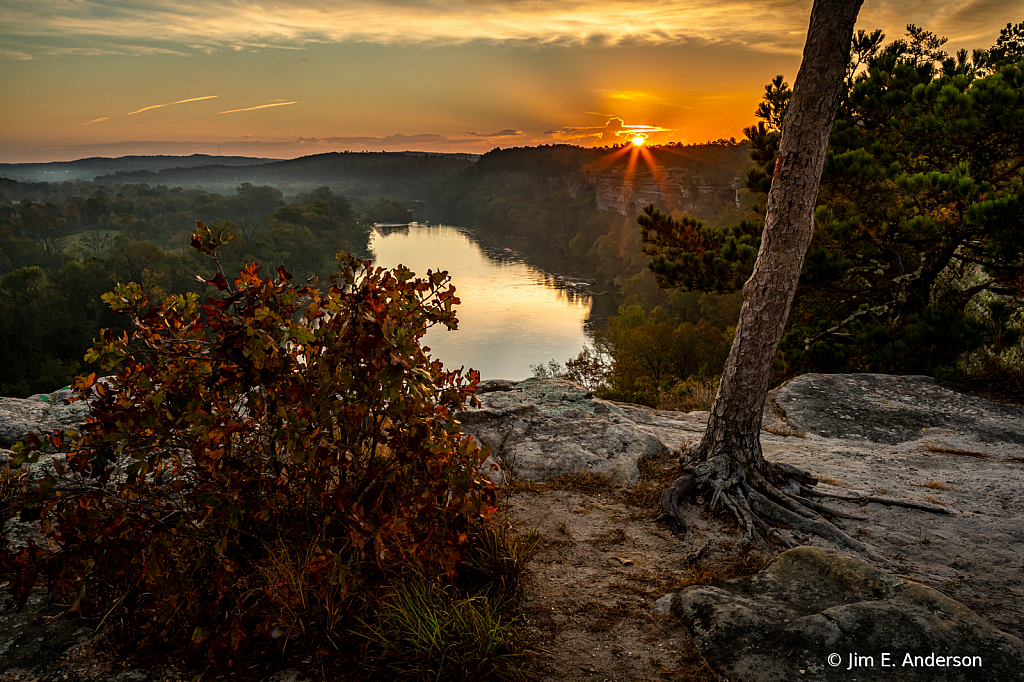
<point>376,75</point>
<point>639,140</point>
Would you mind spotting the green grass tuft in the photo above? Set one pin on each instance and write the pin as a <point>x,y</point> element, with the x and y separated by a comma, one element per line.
<point>421,631</point>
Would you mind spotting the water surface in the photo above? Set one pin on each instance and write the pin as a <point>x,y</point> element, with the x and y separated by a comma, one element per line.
<point>512,315</point>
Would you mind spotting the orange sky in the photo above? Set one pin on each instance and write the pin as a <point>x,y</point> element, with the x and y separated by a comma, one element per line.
<point>292,77</point>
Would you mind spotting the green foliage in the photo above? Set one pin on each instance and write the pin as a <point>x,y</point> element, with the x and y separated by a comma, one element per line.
<point>1009,47</point>
<point>81,237</point>
<point>686,254</point>
<point>260,463</point>
<point>389,211</point>
<point>47,321</point>
<point>920,209</point>
<point>652,357</point>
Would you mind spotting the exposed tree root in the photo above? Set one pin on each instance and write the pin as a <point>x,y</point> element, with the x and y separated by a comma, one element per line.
<point>891,501</point>
<point>780,495</point>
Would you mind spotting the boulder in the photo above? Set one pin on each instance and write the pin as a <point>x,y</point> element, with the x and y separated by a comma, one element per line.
<point>881,408</point>
<point>41,413</point>
<point>816,614</point>
<point>541,428</point>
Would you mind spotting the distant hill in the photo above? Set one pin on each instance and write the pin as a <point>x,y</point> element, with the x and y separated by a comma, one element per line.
<point>405,174</point>
<point>89,169</point>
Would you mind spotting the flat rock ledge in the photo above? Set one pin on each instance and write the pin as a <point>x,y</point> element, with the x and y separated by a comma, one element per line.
<point>889,410</point>
<point>542,428</point>
<point>814,614</point>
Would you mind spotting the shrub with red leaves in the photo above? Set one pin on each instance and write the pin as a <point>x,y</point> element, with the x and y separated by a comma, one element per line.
<point>259,463</point>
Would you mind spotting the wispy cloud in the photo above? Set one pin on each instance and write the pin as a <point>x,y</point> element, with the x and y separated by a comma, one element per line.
<point>262,106</point>
<point>95,120</point>
<point>612,131</point>
<point>508,132</point>
<point>157,106</point>
<point>260,24</point>
<point>41,27</point>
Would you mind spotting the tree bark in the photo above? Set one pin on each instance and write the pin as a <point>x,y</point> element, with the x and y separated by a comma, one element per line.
<point>734,425</point>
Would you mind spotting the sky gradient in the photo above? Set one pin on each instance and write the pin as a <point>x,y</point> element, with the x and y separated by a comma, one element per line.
<point>291,77</point>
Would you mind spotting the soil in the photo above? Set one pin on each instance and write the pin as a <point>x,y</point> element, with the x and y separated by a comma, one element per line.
<point>602,560</point>
<point>600,564</point>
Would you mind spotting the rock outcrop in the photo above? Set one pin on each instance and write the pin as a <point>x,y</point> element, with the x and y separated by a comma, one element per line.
<point>816,614</point>
<point>884,435</point>
<point>627,191</point>
<point>42,413</point>
<point>880,408</point>
<point>541,428</point>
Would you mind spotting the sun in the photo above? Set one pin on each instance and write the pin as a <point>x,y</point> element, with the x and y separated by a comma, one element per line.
<point>638,141</point>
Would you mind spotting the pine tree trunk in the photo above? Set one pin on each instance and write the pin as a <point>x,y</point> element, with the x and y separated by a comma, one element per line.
<point>734,426</point>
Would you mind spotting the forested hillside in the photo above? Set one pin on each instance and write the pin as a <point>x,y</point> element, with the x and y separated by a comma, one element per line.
<point>90,168</point>
<point>582,202</point>
<point>61,250</point>
<point>406,174</point>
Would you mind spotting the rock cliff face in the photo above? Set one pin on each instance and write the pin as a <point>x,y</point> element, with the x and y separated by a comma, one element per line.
<point>626,192</point>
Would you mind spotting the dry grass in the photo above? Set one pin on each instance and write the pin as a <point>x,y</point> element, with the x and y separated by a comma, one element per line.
<point>742,565</point>
<point>656,473</point>
<point>11,482</point>
<point>784,430</point>
<point>934,484</point>
<point>828,480</point>
<point>612,536</point>
<point>933,500</point>
<point>581,481</point>
<point>694,395</point>
<point>305,609</point>
<point>512,484</point>
<point>932,446</point>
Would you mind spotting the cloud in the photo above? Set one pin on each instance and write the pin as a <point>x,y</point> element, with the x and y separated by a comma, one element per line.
<point>611,132</point>
<point>95,120</point>
<point>146,25</point>
<point>508,132</point>
<point>7,53</point>
<point>33,28</point>
<point>157,106</point>
<point>262,106</point>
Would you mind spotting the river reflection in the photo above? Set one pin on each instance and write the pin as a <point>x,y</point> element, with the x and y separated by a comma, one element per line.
<point>512,314</point>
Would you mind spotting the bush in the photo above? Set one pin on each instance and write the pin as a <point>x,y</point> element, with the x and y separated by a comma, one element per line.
<point>260,464</point>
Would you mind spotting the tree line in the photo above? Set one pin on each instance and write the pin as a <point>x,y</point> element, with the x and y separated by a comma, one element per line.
<point>916,264</point>
<point>62,248</point>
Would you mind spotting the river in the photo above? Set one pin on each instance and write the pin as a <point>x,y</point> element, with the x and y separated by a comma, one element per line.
<point>512,315</point>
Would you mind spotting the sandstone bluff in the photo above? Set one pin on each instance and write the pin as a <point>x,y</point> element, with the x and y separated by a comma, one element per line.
<point>901,437</point>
